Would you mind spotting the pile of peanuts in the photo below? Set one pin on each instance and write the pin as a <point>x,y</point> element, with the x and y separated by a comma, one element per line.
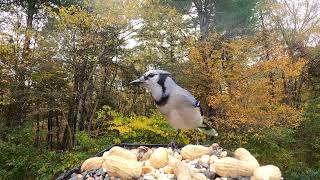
<point>191,162</point>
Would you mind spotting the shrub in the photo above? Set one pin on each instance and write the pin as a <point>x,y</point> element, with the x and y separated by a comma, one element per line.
<point>140,129</point>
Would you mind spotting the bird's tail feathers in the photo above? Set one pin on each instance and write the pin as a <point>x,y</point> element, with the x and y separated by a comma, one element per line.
<point>207,129</point>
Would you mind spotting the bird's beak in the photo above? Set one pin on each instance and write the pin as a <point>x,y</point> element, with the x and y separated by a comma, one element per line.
<point>136,82</point>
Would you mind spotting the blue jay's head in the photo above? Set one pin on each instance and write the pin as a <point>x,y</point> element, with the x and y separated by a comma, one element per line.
<point>152,79</point>
<point>157,82</point>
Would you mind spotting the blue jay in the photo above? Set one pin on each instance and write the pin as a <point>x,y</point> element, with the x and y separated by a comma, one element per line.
<point>178,105</point>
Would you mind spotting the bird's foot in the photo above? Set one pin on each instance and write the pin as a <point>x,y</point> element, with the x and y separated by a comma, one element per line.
<point>196,137</point>
<point>173,145</point>
<point>197,141</point>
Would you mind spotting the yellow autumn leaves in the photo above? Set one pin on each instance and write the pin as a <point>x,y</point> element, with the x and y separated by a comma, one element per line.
<point>247,95</point>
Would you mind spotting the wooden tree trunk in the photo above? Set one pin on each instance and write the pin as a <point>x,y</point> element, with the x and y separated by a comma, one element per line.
<point>82,97</point>
<point>68,134</point>
<point>37,138</point>
<point>50,125</point>
<point>266,45</point>
<point>92,114</point>
<point>58,131</point>
<point>99,97</point>
<point>19,107</point>
<point>204,12</point>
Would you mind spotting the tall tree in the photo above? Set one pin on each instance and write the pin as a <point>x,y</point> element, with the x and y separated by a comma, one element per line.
<point>228,17</point>
<point>26,11</point>
<point>298,30</point>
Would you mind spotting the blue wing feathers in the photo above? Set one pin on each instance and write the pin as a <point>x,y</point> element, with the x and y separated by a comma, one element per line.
<point>193,100</point>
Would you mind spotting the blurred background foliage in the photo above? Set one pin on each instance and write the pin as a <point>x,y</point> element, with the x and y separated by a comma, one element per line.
<point>65,67</point>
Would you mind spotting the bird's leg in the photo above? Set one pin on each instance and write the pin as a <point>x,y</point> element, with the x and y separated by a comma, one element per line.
<point>173,144</point>
<point>195,131</point>
<point>197,139</point>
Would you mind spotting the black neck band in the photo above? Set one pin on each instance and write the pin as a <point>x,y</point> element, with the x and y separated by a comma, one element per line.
<point>162,101</point>
<point>164,98</point>
<point>161,81</point>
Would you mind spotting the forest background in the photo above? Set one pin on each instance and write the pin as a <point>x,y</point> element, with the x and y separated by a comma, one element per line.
<point>65,66</point>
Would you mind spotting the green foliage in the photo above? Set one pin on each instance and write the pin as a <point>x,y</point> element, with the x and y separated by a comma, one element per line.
<point>235,17</point>
<point>91,144</point>
<point>273,145</point>
<point>28,162</point>
<point>308,135</point>
<point>296,152</point>
<point>20,159</point>
<point>141,129</point>
<point>306,174</point>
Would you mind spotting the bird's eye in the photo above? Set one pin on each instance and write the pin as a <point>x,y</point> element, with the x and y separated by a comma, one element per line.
<point>151,75</point>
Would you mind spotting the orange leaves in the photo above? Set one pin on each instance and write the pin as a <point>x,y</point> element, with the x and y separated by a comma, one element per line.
<point>244,93</point>
<point>195,54</point>
<point>295,69</point>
